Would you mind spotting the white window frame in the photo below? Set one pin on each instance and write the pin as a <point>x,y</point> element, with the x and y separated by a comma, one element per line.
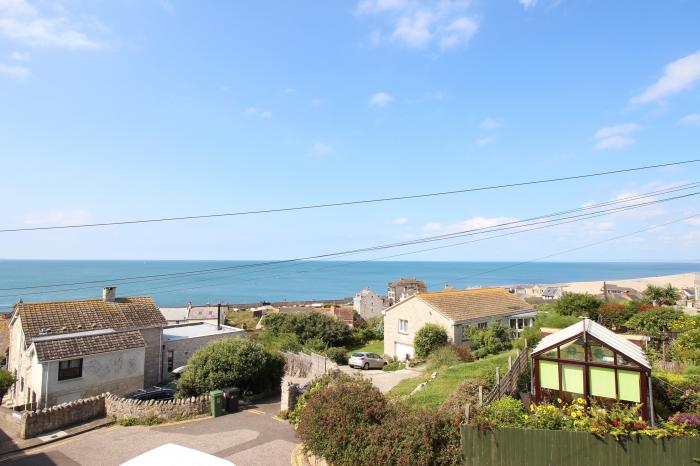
<point>403,326</point>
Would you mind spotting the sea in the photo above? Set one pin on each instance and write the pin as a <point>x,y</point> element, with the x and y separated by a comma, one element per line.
<point>175,283</point>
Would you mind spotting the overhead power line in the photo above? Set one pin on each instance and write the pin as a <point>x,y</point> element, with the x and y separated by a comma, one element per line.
<point>503,225</point>
<point>346,203</point>
<point>515,226</point>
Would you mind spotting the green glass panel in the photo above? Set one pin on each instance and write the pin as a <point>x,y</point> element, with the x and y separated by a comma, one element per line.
<point>573,350</point>
<point>572,378</point>
<point>549,375</point>
<point>602,382</point>
<point>628,383</point>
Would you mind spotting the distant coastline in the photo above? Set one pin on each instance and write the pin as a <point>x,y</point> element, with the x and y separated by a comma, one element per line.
<point>243,282</point>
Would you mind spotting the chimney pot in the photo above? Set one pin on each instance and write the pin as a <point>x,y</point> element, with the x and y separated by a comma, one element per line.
<point>109,294</point>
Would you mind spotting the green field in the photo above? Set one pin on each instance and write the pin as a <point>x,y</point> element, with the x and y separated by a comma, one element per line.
<point>448,379</point>
<point>374,346</point>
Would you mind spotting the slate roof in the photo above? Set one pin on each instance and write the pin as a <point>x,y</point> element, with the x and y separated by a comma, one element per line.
<point>60,317</point>
<point>407,281</point>
<point>76,346</point>
<point>459,305</point>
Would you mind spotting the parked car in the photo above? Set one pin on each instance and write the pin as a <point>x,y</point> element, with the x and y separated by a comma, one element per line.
<point>366,361</point>
<point>152,393</point>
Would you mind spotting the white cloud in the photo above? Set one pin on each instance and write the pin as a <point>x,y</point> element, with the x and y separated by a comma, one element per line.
<point>418,23</point>
<point>56,217</point>
<point>484,141</point>
<point>263,114</point>
<point>490,123</point>
<point>469,224</point>
<point>459,32</point>
<point>22,22</point>
<point>399,221</point>
<point>693,221</point>
<point>615,137</point>
<point>380,99</point>
<point>19,56</point>
<point>690,120</point>
<point>14,71</point>
<point>528,3</point>
<point>322,149</point>
<point>678,76</point>
<point>317,102</point>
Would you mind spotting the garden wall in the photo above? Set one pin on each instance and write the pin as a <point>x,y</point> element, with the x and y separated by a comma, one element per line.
<point>525,447</point>
<point>122,408</point>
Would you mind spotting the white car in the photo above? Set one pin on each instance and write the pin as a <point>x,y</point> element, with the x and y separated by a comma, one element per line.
<point>366,361</point>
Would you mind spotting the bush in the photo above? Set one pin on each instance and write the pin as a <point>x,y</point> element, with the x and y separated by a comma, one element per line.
<point>613,315</point>
<point>393,366</point>
<point>349,422</point>
<point>281,342</point>
<point>366,334</point>
<point>504,412</point>
<point>444,356</point>
<point>553,319</point>
<point>578,304</point>
<point>675,393</point>
<point>429,337</point>
<point>308,325</point>
<point>657,321</point>
<point>338,355</point>
<point>315,345</point>
<point>492,340</point>
<point>6,381</point>
<point>377,324</point>
<point>139,421</point>
<point>232,362</point>
<point>686,347</point>
<point>466,392</point>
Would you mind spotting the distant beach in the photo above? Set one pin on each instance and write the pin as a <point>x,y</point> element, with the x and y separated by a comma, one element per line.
<point>243,282</point>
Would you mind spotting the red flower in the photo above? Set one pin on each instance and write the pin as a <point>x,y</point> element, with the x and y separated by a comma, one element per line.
<point>616,423</point>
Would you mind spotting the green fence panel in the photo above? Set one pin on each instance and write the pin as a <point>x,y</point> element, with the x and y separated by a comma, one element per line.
<point>529,447</point>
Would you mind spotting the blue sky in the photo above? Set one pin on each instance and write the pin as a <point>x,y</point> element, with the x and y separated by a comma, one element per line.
<point>138,108</point>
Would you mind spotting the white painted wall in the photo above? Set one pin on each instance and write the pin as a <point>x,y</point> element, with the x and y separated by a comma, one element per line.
<point>417,313</point>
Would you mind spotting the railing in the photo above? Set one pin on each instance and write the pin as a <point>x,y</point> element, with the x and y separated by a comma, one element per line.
<point>508,384</point>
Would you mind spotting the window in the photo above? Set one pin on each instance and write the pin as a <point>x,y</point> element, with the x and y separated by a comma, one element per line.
<point>573,351</point>
<point>71,369</point>
<point>482,325</point>
<point>403,326</point>
<point>171,359</point>
<point>599,353</point>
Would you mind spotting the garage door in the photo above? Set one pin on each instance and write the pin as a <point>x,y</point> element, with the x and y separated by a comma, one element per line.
<point>401,351</point>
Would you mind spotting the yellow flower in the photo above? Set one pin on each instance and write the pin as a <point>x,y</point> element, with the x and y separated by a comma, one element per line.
<point>559,400</point>
<point>526,417</point>
<point>532,408</point>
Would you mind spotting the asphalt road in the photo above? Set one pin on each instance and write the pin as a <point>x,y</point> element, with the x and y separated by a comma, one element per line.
<point>247,438</point>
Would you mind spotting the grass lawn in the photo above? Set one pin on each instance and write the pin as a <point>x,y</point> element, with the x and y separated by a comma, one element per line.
<point>448,379</point>
<point>374,346</point>
<point>236,318</point>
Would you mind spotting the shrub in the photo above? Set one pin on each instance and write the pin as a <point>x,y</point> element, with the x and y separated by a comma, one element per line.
<point>466,392</point>
<point>308,325</point>
<point>315,345</point>
<point>231,362</point>
<point>578,304</point>
<point>338,355</point>
<point>140,421</point>
<point>613,315</point>
<point>280,342</point>
<point>657,321</point>
<point>686,347</point>
<point>444,356</point>
<point>504,412</point>
<point>349,422</point>
<point>6,381</point>
<point>553,319</point>
<point>493,340</point>
<point>675,393</point>
<point>366,334</point>
<point>429,337</point>
<point>393,366</point>
<point>532,335</point>
<point>377,324</point>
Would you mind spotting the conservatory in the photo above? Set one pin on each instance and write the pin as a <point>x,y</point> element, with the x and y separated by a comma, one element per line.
<point>586,360</point>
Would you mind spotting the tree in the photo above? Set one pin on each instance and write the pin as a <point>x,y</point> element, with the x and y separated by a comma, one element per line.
<point>232,362</point>
<point>657,321</point>
<point>429,337</point>
<point>612,315</point>
<point>578,304</point>
<point>308,325</point>
<point>658,296</point>
<point>687,347</point>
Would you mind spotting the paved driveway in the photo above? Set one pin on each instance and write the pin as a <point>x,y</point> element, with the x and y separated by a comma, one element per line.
<point>384,381</point>
<point>247,438</point>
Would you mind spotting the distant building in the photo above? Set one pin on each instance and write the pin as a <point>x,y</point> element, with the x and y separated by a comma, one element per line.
<point>193,314</point>
<point>456,311</point>
<point>404,288</point>
<point>368,304</point>
<point>551,293</point>
<point>620,293</point>
<point>65,350</point>
<point>341,313</point>
<point>181,341</point>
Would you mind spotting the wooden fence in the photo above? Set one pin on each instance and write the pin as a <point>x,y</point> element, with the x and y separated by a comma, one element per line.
<point>527,447</point>
<point>508,384</point>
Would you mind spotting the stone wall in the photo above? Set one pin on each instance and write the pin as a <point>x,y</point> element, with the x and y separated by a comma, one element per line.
<point>57,417</point>
<point>33,423</point>
<point>307,365</point>
<point>152,364</point>
<point>122,408</point>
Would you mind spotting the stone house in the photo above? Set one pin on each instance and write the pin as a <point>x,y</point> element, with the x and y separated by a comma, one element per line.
<point>404,288</point>
<point>66,350</point>
<point>455,310</point>
<point>181,341</point>
<point>368,304</point>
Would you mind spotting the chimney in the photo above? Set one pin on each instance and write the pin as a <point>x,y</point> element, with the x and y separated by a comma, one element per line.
<point>218,317</point>
<point>109,294</point>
